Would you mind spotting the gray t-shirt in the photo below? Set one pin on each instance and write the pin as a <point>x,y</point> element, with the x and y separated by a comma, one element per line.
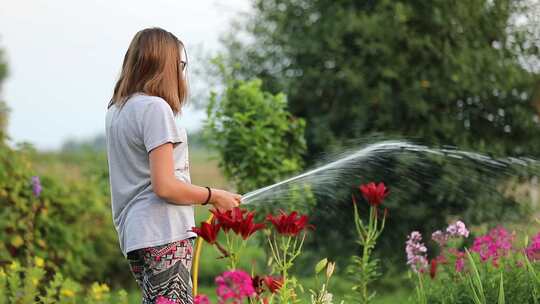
<point>140,217</point>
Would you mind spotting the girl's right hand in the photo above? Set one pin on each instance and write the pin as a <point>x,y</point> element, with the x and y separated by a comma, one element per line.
<point>224,200</point>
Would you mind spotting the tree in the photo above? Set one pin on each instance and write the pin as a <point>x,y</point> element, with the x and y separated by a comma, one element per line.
<point>4,110</point>
<point>453,73</point>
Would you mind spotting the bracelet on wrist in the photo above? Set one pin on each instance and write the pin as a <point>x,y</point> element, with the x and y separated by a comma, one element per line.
<point>209,196</point>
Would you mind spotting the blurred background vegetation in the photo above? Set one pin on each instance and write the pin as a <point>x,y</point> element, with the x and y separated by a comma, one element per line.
<point>301,79</point>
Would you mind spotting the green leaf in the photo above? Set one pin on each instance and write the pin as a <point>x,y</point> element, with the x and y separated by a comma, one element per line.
<point>321,265</point>
<point>501,290</point>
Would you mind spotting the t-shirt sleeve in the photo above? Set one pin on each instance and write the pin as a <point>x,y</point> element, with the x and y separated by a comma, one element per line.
<point>158,125</point>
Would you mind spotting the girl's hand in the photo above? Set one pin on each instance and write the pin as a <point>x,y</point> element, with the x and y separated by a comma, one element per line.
<point>224,200</point>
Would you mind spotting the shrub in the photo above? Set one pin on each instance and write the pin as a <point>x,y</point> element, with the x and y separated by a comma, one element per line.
<point>67,223</point>
<point>28,284</point>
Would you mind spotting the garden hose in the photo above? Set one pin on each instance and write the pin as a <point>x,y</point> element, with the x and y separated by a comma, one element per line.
<point>195,268</point>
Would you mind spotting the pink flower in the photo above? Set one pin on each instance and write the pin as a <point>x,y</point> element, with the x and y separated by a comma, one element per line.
<point>494,245</point>
<point>533,250</point>
<point>36,186</point>
<point>416,252</point>
<point>460,259</point>
<point>234,285</point>
<point>201,299</point>
<point>163,300</point>
<point>440,237</point>
<point>457,229</point>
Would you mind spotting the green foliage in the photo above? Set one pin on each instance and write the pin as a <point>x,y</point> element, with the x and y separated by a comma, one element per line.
<point>448,73</point>
<point>69,224</point>
<point>258,140</point>
<point>21,285</point>
<point>364,269</point>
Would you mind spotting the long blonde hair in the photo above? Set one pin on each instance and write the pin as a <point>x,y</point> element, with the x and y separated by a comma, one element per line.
<point>152,65</point>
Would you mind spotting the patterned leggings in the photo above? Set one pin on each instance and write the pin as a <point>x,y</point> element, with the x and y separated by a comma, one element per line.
<point>164,271</point>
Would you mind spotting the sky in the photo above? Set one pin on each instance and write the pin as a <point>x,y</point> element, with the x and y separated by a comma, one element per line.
<point>64,57</point>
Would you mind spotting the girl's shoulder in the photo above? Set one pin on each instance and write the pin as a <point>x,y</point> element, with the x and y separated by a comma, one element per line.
<point>143,98</point>
<point>141,103</point>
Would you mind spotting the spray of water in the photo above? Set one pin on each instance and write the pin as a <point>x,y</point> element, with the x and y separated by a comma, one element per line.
<point>325,180</point>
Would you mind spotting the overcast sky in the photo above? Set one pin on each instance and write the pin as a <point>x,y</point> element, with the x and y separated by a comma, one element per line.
<point>64,57</point>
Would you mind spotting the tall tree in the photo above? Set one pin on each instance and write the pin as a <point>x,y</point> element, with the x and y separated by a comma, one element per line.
<point>449,72</point>
<point>460,73</point>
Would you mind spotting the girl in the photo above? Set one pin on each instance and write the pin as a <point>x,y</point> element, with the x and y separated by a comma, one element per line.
<point>152,197</point>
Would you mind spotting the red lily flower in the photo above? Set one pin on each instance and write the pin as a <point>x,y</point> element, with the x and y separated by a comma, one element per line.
<point>433,269</point>
<point>208,231</point>
<point>230,219</point>
<point>248,227</point>
<point>273,283</point>
<point>238,220</point>
<point>289,224</point>
<point>374,193</point>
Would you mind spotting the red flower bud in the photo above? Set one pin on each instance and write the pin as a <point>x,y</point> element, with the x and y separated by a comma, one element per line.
<point>433,269</point>
<point>273,283</point>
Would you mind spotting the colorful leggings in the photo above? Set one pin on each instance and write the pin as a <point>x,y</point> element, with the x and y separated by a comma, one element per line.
<point>164,271</point>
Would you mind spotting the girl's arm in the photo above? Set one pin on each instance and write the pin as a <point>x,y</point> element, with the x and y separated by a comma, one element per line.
<point>169,188</point>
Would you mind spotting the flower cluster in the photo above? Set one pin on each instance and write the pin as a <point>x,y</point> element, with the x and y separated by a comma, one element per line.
<point>240,221</point>
<point>494,245</point>
<point>237,220</point>
<point>456,230</point>
<point>416,252</point>
<point>201,299</point>
<point>533,250</point>
<point>239,225</point>
<point>234,285</point>
<point>290,224</point>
